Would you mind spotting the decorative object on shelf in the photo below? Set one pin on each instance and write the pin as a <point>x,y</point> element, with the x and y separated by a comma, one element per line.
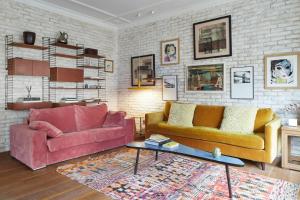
<point>69,100</point>
<point>292,108</point>
<point>143,70</point>
<point>205,78</point>
<point>281,71</point>
<point>28,88</point>
<point>212,38</point>
<point>170,52</point>
<point>91,51</point>
<point>216,153</point>
<point>242,82</point>
<point>62,37</point>
<point>29,99</point>
<point>29,37</point>
<point>169,88</point>
<point>109,66</point>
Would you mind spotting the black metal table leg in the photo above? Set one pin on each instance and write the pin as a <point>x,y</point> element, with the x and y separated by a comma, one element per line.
<point>228,181</point>
<point>156,155</point>
<point>136,161</point>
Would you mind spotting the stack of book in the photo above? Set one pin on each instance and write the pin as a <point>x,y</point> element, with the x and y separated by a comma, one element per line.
<point>157,140</point>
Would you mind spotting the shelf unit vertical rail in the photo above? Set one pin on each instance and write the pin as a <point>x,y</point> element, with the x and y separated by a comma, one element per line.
<point>45,80</point>
<point>80,62</point>
<point>9,54</point>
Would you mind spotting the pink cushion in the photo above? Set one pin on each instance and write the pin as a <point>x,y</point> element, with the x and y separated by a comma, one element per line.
<point>51,130</point>
<point>89,117</point>
<point>62,118</point>
<point>114,119</point>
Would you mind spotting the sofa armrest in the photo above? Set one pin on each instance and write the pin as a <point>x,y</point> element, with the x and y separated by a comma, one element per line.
<point>152,118</point>
<point>271,137</point>
<point>28,146</point>
<point>129,129</point>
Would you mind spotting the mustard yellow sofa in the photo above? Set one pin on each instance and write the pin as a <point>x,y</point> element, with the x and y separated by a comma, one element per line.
<point>260,146</point>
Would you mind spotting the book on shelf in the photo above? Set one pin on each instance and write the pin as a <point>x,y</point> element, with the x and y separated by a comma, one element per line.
<point>171,145</point>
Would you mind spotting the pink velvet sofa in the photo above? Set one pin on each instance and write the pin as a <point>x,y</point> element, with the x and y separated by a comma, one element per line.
<point>78,131</point>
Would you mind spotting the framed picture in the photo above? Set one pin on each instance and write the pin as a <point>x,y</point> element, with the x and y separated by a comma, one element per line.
<point>242,82</point>
<point>205,78</point>
<point>169,88</point>
<point>212,38</point>
<point>170,52</point>
<point>282,71</point>
<point>143,70</point>
<point>109,66</point>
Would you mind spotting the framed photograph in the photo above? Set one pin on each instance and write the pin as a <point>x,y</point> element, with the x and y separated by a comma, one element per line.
<point>205,78</point>
<point>169,88</point>
<point>170,50</point>
<point>212,38</point>
<point>242,82</point>
<point>109,66</point>
<point>143,70</point>
<point>282,71</point>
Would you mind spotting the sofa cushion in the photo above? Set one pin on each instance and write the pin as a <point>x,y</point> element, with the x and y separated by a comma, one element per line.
<point>114,119</point>
<point>208,116</point>
<point>253,141</point>
<point>90,117</point>
<point>263,116</point>
<point>182,114</point>
<point>62,118</point>
<point>51,130</point>
<point>239,119</point>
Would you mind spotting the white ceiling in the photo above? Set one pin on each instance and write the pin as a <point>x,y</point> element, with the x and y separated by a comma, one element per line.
<point>122,13</point>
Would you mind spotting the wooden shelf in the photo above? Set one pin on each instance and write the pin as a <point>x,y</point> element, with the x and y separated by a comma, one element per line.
<point>90,67</point>
<point>61,104</point>
<point>28,46</point>
<point>27,106</point>
<point>66,56</point>
<point>94,79</point>
<point>67,46</point>
<point>92,56</point>
<point>65,88</point>
<point>94,88</point>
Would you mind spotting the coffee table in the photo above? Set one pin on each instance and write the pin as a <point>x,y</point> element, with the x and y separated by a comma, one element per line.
<point>188,151</point>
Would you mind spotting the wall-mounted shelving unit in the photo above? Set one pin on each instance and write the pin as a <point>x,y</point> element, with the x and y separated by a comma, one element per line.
<point>17,66</point>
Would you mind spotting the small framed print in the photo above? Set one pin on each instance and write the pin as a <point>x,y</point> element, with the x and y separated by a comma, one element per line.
<point>109,66</point>
<point>169,88</point>
<point>212,38</point>
<point>242,82</point>
<point>282,71</point>
<point>170,50</point>
<point>143,70</point>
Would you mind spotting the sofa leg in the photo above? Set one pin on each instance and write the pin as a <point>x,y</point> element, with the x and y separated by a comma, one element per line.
<point>263,166</point>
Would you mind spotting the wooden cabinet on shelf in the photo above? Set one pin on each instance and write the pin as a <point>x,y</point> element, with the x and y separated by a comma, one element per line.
<point>28,67</point>
<point>60,74</point>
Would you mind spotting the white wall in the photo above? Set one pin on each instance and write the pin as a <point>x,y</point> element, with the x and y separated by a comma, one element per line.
<point>258,28</point>
<point>16,18</point>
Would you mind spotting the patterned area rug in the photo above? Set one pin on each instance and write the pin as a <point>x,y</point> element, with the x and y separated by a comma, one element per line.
<point>172,177</point>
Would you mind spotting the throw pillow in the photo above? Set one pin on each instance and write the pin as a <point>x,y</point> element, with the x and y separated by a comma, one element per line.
<point>114,119</point>
<point>239,119</point>
<point>181,114</point>
<point>51,130</point>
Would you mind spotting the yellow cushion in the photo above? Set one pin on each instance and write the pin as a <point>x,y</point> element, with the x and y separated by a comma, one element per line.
<point>181,114</point>
<point>253,141</point>
<point>239,119</point>
<point>208,116</point>
<point>263,116</point>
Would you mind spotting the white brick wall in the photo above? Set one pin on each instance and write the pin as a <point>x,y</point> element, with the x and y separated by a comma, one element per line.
<point>258,28</point>
<point>16,18</point>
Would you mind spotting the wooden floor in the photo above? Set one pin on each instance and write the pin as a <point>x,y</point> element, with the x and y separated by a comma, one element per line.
<point>19,182</point>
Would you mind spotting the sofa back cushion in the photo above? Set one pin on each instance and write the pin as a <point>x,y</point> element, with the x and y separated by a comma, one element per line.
<point>208,116</point>
<point>90,117</point>
<point>62,118</point>
<point>114,119</point>
<point>263,116</point>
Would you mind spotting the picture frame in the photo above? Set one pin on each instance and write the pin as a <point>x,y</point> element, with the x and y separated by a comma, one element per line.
<point>109,66</point>
<point>169,88</point>
<point>242,82</point>
<point>209,78</point>
<point>143,70</point>
<point>212,38</point>
<point>282,71</point>
<point>170,52</point>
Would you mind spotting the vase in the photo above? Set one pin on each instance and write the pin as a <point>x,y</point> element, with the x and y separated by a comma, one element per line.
<point>29,37</point>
